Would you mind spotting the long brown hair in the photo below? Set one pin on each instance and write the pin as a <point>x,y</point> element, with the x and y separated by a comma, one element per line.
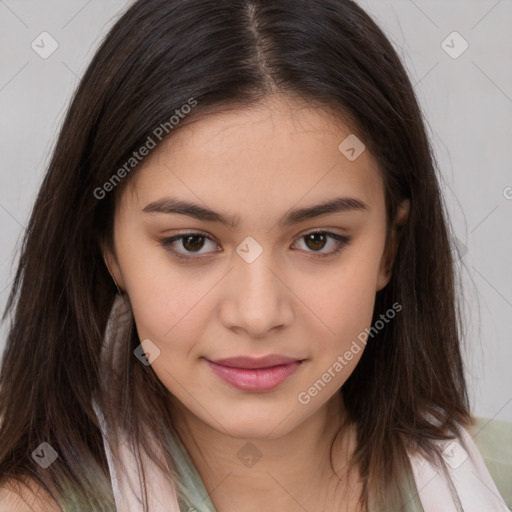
<point>409,383</point>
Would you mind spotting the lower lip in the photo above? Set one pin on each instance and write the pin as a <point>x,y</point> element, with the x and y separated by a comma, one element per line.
<point>258,379</point>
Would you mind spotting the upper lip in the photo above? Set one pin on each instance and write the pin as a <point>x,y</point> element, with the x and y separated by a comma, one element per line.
<point>253,362</point>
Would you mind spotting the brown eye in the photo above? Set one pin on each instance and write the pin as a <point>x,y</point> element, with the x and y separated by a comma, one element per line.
<point>316,241</point>
<point>193,243</point>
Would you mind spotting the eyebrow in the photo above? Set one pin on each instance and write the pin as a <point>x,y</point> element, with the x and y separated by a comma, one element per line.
<point>169,205</point>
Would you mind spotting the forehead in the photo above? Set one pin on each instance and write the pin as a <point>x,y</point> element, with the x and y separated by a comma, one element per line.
<point>279,152</point>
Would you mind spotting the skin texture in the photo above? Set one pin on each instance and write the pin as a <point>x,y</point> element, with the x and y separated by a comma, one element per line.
<point>256,164</point>
<point>26,497</point>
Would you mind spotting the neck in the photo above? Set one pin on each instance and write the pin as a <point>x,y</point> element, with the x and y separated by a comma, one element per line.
<point>279,471</point>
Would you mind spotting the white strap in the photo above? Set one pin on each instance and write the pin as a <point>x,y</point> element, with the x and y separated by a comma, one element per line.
<point>125,473</point>
<point>468,474</point>
<point>126,485</point>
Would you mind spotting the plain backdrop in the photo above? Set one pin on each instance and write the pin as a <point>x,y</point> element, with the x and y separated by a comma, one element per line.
<point>466,97</point>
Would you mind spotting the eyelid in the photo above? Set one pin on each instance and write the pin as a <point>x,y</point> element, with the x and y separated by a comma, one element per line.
<point>342,241</point>
<point>167,241</point>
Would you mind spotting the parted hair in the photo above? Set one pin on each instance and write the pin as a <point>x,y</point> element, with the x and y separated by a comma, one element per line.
<point>408,388</point>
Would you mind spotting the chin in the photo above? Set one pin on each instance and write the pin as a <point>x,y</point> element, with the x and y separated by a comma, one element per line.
<point>264,431</point>
<point>267,425</point>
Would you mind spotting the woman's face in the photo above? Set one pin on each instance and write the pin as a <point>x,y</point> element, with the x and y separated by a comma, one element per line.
<point>243,189</point>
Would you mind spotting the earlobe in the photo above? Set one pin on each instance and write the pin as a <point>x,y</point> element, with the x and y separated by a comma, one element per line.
<point>114,270</point>
<point>402,214</point>
<point>389,256</point>
<point>384,274</point>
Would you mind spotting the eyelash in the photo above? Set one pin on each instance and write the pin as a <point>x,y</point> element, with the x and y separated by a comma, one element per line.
<point>166,243</point>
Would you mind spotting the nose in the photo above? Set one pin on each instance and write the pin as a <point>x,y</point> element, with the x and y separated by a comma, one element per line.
<point>256,298</point>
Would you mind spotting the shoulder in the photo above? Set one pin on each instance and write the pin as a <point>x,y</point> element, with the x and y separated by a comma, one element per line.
<point>494,441</point>
<point>28,496</point>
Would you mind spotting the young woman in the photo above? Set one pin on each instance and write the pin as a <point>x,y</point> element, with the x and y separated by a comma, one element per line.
<point>236,289</point>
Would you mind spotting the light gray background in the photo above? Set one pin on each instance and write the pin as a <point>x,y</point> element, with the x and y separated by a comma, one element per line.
<point>467,102</point>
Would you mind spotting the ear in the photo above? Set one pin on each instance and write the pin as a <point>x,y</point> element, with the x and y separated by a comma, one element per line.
<point>388,258</point>
<point>113,267</point>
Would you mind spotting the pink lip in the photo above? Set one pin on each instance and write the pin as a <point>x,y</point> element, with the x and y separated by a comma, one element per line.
<point>250,374</point>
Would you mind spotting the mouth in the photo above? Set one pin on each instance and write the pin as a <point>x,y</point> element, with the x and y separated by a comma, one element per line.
<point>255,374</point>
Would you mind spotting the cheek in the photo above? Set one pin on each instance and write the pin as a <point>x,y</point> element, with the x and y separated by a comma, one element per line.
<point>173,316</point>
<point>163,295</point>
<point>336,355</point>
<point>341,309</point>
<point>174,326</point>
<point>343,298</point>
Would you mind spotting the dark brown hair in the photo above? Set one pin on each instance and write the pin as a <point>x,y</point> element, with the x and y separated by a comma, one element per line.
<point>409,384</point>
